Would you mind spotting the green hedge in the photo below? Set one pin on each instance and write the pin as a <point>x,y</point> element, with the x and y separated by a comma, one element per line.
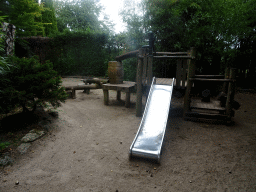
<point>79,53</point>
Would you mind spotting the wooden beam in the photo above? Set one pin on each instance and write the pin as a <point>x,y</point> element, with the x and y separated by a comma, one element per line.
<point>173,57</point>
<point>150,70</point>
<point>127,55</point>
<point>145,63</point>
<point>198,76</point>
<point>191,73</point>
<point>230,94</point>
<point>171,53</point>
<point>178,72</point>
<point>206,115</point>
<point>184,71</point>
<point>139,86</point>
<point>217,80</point>
<point>225,85</point>
<point>82,87</point>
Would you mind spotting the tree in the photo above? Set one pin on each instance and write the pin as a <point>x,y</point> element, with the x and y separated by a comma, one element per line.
<point>78,14</point>
<point>31,84</point>
<point>26,15</point>
<point>49,18</point>
<point>213,27</point>
<point>4,64</point>
<point>133,17</point>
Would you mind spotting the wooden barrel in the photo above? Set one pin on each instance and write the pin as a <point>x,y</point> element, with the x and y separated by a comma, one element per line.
<point>115,72</point>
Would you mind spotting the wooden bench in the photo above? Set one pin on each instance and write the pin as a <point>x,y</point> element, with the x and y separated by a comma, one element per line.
<point>125,87</point>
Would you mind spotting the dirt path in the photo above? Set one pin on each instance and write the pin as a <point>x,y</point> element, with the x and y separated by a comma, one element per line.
<point>87,150</point>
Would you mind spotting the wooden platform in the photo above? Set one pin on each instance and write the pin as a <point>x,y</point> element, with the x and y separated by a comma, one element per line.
<point>206,110</point>
<point>126,87</point>
<point>212,105</point>
<point>168,81</point>
<point>163,81</point>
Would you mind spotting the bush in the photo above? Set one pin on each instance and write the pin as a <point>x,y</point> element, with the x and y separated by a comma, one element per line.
<point>30,84</point>
<point>78,53</point>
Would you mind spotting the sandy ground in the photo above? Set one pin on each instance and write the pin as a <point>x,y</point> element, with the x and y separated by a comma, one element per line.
<point>87,150</point>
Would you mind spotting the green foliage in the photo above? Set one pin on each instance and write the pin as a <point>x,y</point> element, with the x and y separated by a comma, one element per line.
<point>26,15</point>
<point>30,84</point>
<point>215,28</point>
<point>4,65</point>
<point>130,69</point>
<point>49,18</point>
<point>78,15</point>
<point>4,145</point>
<point>135,34</point>
<point>79,53</point>
<point>4,8</point>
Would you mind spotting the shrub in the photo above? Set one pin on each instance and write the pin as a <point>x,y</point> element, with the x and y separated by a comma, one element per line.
<point>31,84</point>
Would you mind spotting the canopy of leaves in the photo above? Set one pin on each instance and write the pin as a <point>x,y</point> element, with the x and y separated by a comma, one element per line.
<point>26,15</point>
<point>49,18</point>
<point>78,14</point>
<point>215,28</point>
<point>133,17</point>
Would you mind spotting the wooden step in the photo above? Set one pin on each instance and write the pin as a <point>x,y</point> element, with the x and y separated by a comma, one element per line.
<point>206,115</point>
<point>212,105</point>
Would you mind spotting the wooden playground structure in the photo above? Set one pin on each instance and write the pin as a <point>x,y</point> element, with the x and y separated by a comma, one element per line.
<point>194,109</point>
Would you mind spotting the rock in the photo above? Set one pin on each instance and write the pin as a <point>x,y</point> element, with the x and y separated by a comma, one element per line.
<point>54,114</point>
<point>40,108</point>
<point>23,147</point>
<point>17,183</point>
<point>32,136</point>
<point>5,161</point>
<point>45,125</point>
<point>44,122</point>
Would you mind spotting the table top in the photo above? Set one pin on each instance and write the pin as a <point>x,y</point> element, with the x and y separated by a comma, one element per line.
<point>125,84</point>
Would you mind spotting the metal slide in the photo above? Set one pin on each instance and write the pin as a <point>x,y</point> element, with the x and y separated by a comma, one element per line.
<point>149,138</point>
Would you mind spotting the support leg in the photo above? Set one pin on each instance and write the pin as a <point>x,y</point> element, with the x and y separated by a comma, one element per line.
<point>127,99</point>
<point>118,96</point>
<point>73,95</point>
<point>106,97</point>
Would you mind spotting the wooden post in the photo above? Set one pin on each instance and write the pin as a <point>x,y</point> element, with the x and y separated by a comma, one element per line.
<point>127,99</point>
<point>150,68</point>
<point>145,62</point>
<point>230,94</point>
<point>225,85</point>
<point>139,86</point>
<point>106,96</point>
<point>118,95</point>
<point>73,94</point>
<point>178,72</point>
<point>150,57</point>
<point>191,73</point>
<point>184,72</point>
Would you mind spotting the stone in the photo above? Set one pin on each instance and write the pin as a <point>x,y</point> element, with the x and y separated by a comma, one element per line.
<point>32,136</point>
<point>45,125</point>
<point>54,114</point>
<point>6,161</point>
<point>23,147</point>
<point>44,122</point>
